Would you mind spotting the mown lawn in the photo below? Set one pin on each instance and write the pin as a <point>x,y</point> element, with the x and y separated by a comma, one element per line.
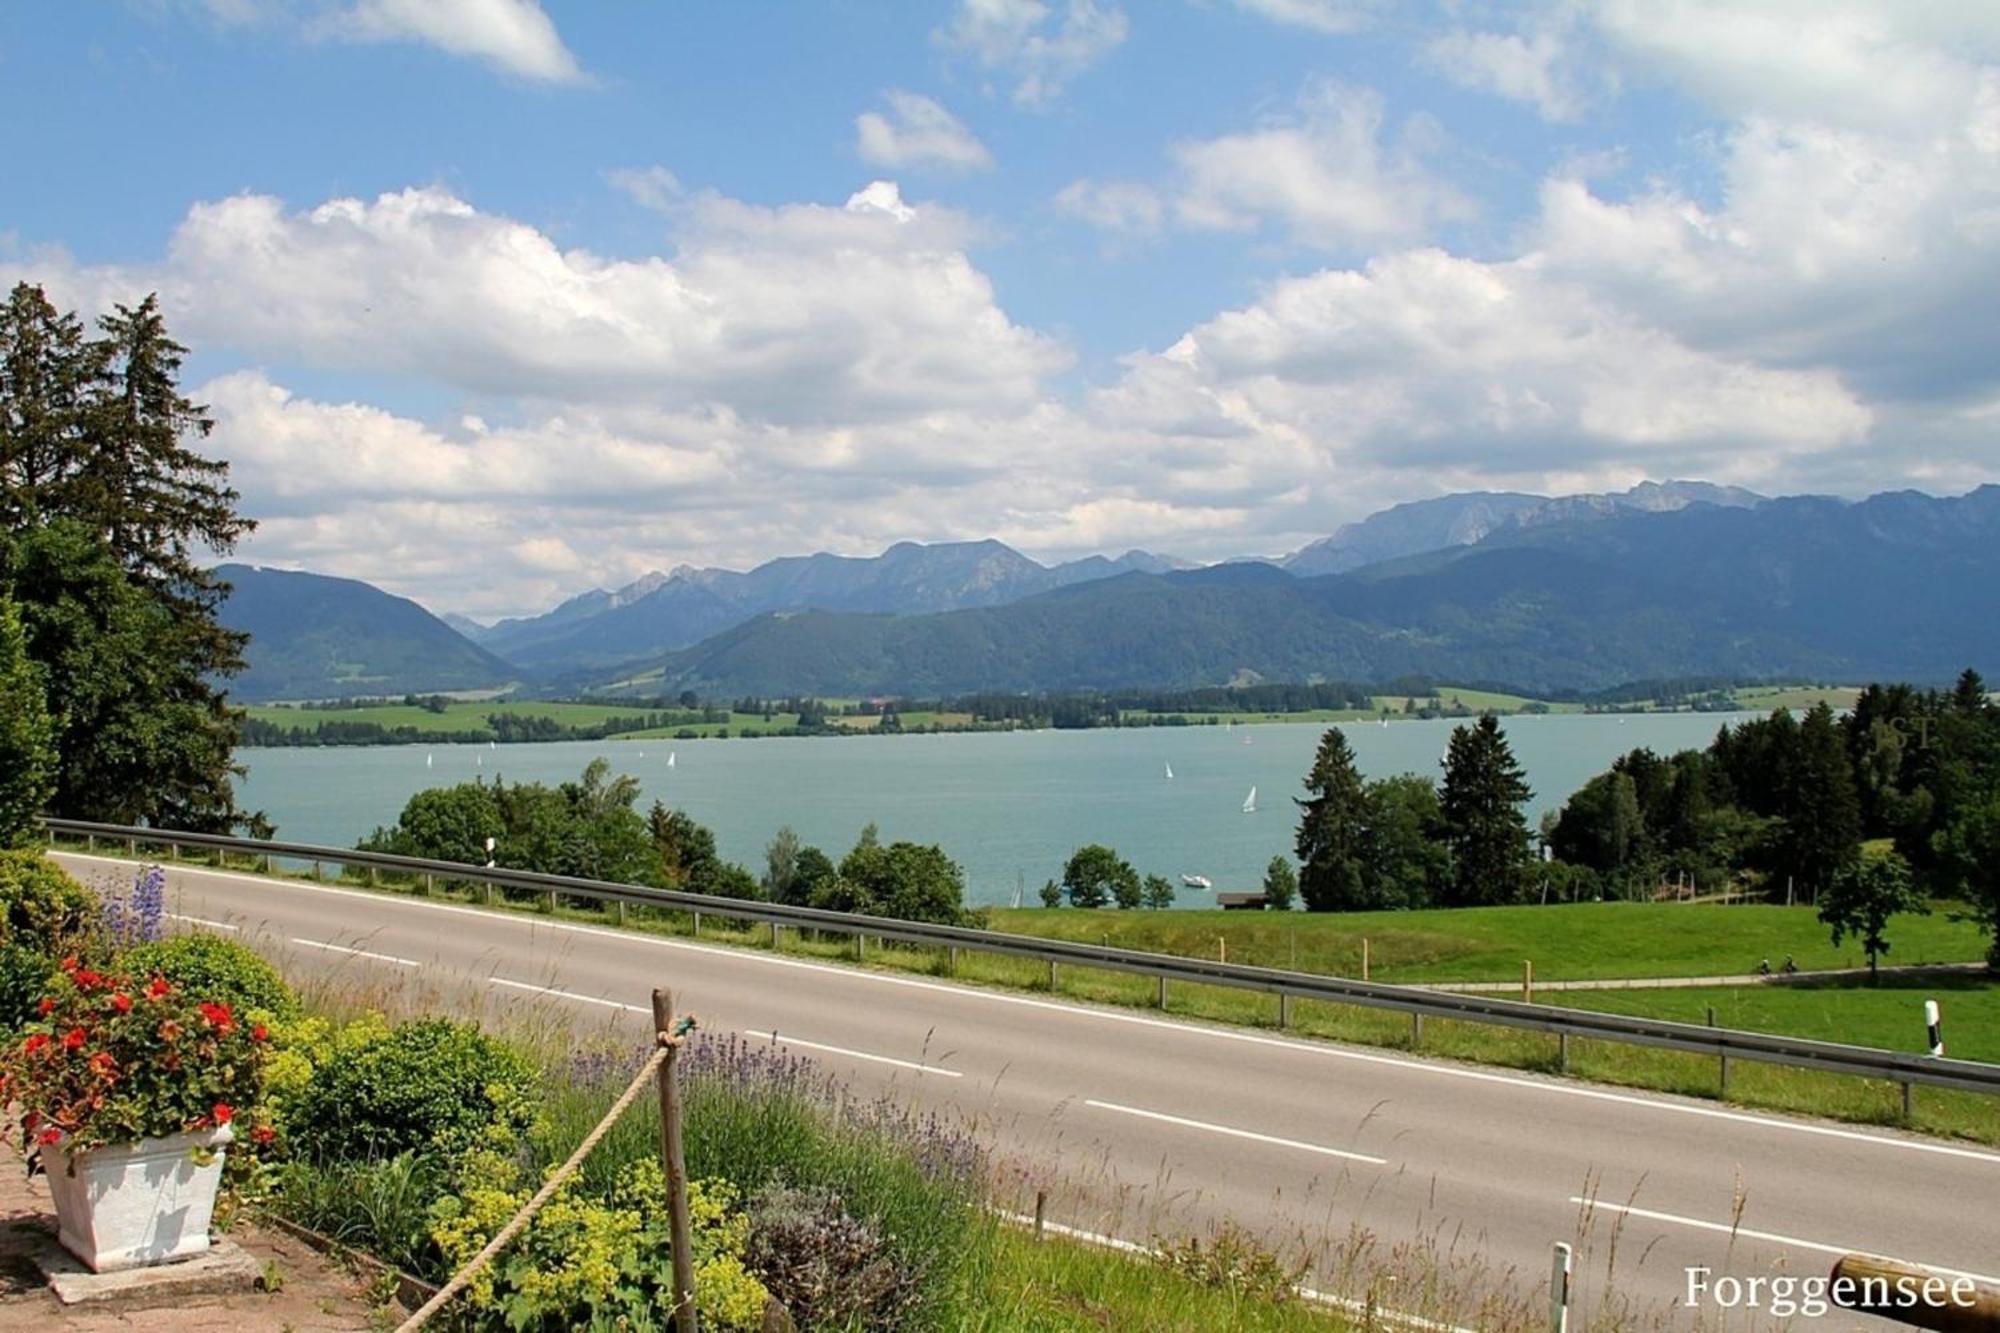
<point>1573,942</point>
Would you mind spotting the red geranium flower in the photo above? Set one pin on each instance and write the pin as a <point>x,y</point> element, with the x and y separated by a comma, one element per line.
<point>49,1136</point>
<point>71,964</point>
<point>263,1134</point>
<point>35,1042</point>
<point>169,1030</point>
<point>217,1015</point>
<point>89,979</point>
<point>259,1033</point>
<point>73,1039</point>
<point>122,1002</point>
<point>103,1065</point>
<point>224,1113</point>
<point>158,988</point>
<point>47,1005</point>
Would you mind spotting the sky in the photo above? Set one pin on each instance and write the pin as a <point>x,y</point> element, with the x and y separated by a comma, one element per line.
<point>495,301</point>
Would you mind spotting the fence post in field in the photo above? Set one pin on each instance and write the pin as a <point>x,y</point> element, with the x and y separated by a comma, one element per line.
<point>675,1164</point>
<point>1527,981</point>
<point>1559,1290</point>
<point>1364,958</point>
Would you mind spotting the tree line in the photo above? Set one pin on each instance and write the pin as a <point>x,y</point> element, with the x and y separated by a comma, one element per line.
<point>112,659</point>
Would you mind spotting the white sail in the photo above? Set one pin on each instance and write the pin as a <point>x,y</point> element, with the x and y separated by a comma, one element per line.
<point>1170,772</point>
<point>1250,802</point>
<point>670,758</point>
<point>427,760</point>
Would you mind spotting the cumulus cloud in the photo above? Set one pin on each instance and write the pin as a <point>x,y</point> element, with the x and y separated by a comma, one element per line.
<point>1028,41</point>
<point>803,312</point>
<point>1323,174</point>
<point>1327,16</point>
<point>917,132</point>
<point>1120,206</point>
<point>513,36</point>
<point>1533,67</point>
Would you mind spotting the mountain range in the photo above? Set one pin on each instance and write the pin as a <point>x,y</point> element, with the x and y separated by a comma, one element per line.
<point>1575,592</point>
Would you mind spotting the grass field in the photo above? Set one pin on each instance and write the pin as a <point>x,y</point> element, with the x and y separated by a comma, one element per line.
<point>459,715</point>
<point>1798,698</point>
<point>1580,942</point>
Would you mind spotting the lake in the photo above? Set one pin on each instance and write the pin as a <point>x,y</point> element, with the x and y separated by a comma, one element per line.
<point>1008,806</point>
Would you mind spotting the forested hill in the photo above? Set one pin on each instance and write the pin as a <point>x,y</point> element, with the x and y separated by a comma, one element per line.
<point>1900,585</point>
<point>314,637</point>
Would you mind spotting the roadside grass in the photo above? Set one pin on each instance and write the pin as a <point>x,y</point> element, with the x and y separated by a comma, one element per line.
<point>1936,1111</point>
<point>1570,942</point>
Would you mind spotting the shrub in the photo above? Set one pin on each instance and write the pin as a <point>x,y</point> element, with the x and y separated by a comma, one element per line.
<point>431,1085</point>
<point>1233,1261</point>
<point>828,1269</point>
<point>216,969</point>
<point>41,907</point>
<point>24,979</point>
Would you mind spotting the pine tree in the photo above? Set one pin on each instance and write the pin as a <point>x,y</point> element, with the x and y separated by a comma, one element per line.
<point>1821,809</point>
<point>49,376</point>
<point>27,737</point>
<point>1480,805</point>
<point>1332,820</point>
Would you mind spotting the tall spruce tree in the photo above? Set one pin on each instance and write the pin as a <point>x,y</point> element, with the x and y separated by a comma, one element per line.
<point>27,736</point>
<point>1480,806</point>
<point>1333,818</point>
<point>1822,812</point>
<point>96,462</point>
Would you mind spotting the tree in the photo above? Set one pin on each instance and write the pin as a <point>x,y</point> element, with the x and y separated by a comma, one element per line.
<point>1157,893</point>
<point>812,869</point>
<point>445,824</point>
<point>1050,893</point>
<point>1968,853</point>
<point>1095,875</point>
<point>1822,813</point>
<point>781,865</point>
<point>1331,819</point>
<point>1281,884</point>
<point>1128,891</point>
<point>1404,861</point>
<point>1601,826</point>
<point>903,880</point>
<point>685,849</point>
<point>94,441</point>
<point>27,734</point>
<point>1480,806</point>
<point>1863,895</point>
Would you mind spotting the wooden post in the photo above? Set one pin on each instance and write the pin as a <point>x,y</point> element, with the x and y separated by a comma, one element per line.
<point>1222,948</point>
<point>1364,958</point>
<point>678,1229</point>
<point>1867,1279</point>
<point>1527,981</point>
<point>1041,1211</point>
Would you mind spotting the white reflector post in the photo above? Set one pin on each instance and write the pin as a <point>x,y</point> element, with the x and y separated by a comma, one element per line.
<point>1559,1291</point>
<point>1932,1022</point>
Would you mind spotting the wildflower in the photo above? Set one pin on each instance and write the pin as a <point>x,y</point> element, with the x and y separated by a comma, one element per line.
<point>73,1039</point>
<point>122,1002</point>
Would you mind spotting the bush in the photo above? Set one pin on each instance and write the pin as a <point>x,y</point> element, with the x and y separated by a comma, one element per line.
<point>213,968</point>
<point>41,907</point>
<point>828,1269</point>
<point>432,1085</point>
<point>24,979</point>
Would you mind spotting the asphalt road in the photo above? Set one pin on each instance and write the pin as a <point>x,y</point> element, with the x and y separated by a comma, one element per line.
<point>1145,1125</point>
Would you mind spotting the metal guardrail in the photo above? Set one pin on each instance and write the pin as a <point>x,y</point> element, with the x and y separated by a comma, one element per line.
<point>1727,1044</point>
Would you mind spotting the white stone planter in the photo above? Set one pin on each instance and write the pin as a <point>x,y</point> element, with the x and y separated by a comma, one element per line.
<point>127,1205</point>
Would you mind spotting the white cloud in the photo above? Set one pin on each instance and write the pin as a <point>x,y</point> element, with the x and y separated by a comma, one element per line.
<point>1024,38</point>
<point>649,187</point>
<point>800,313</point>
<point>1328,16</point>
<point>1532,67</point>
<point>1121,206</point>
<point>511,35</point>
<point>918,132</point>
<point>1323,174</point>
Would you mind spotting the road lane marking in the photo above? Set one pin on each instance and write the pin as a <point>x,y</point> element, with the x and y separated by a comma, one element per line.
<point>777,1040</point>
<point>358,953</point>
<point>1252,1135</point>
<point>1772,1236</point>
<point>568,995</point>
<point>201,921</point>
<point>1194,1028</point>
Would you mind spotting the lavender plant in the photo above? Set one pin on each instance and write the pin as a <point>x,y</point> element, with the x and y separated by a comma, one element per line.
<point>139,918</point>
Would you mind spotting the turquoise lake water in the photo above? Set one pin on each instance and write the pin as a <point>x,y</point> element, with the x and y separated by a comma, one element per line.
<point>1008,806</point>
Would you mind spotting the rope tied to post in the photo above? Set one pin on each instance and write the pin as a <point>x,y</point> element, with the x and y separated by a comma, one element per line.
<point>667,1044</point>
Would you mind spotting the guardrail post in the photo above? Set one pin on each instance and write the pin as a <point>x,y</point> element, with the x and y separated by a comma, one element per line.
<point>1416,1030</point>
<point>549,902</point>
<point>1052,974</point>
<point>1562,1052</point>
<point>1161,1000</point>
<point>1364,958</point>
<point>317,876</point>
<point>695,929</point>
<point>430,884</point>
<point>371,877</point>
<point>173,851</point>
<point>131,846</point>
<point>1284,1010</point>
<point>951,960</point>
<point>619,903</point>
<point>1909,1101</point>
<point>1559,1290</point>
<point>1725,1075</point>
<point>1527,981</point>
<point>860,946</point>
<point>89,840</point>
<point>486,892</point>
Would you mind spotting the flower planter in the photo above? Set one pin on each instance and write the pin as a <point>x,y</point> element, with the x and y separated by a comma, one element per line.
<point>127,1205</point>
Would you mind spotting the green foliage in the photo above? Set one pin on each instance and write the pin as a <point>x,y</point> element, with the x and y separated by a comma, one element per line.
<point>1331,820</point>
<point>1051,893</point>
<point>27,734</point>
<point>903,880</point>
<point>1281,884</point>
<point>1095,875</point>
<point>41,907</point>
<point>1156,893</point>
<point>24,979</point>
<point>216,969</point>
<point>1234,1261</point>
<point>381,1206</point>
<point>1404,860</point>
<point>1862,897</point>
<point>598,1263</point>
<point>1968,858</point>
<point>1480,806</point>
<point>428,1085</point>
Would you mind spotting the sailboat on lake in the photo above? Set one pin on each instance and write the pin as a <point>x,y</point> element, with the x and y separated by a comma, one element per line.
<point>1250,802</point>
<point>1170,772</point>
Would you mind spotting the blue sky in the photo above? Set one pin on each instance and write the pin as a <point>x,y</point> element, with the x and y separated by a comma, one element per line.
<point>496,301</point>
